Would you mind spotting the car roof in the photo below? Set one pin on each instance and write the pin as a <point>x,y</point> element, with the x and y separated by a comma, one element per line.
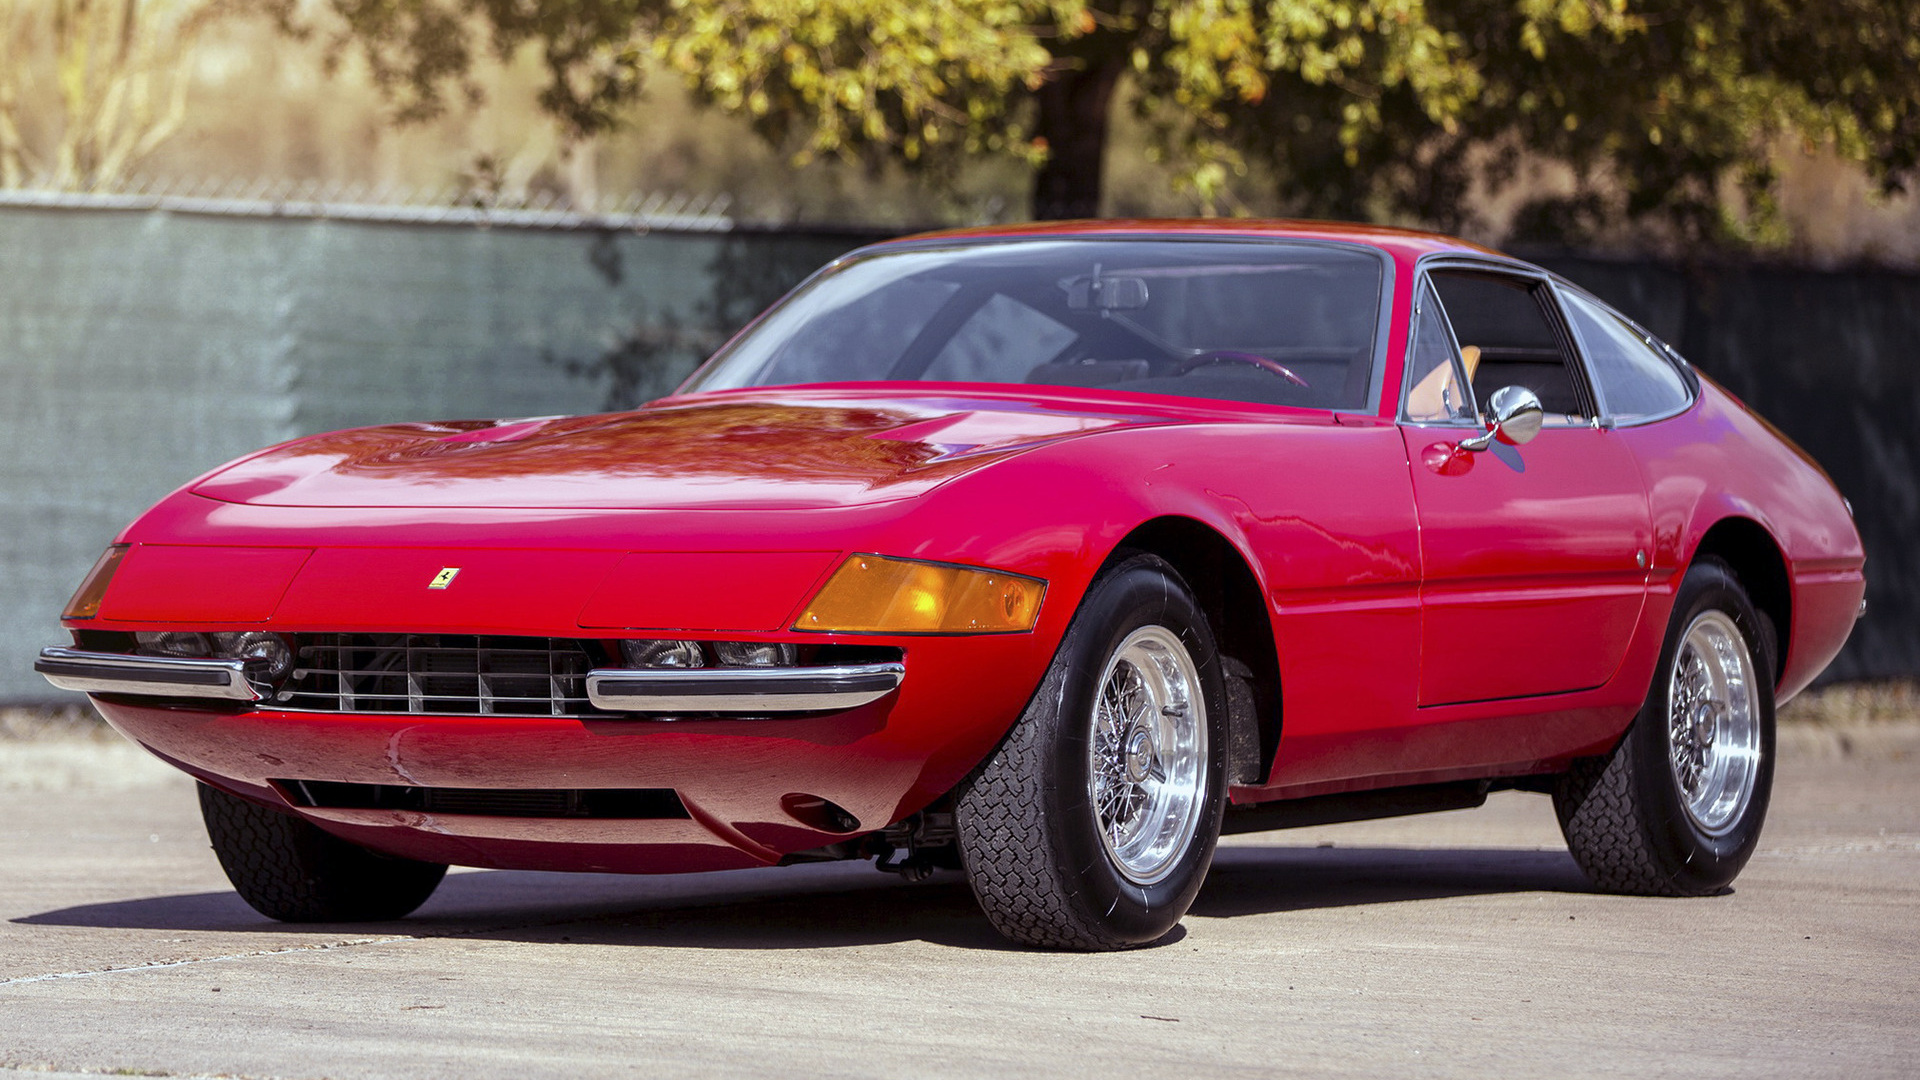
<point>1404,245</point>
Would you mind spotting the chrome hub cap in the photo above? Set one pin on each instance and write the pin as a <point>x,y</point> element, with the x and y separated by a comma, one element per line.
<point>1713,723</point>
<point>1147,758</point>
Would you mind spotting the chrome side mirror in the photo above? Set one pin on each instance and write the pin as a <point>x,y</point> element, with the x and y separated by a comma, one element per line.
<point>1517,417</point>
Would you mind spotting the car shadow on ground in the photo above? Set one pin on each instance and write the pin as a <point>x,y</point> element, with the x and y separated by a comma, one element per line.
<point>843,905</point>
<point>1264,879</point>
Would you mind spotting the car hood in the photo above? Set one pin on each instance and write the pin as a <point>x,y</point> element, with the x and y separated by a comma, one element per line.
<point>783,451</point>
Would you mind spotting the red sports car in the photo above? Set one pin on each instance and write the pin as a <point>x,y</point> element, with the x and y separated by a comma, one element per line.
<point>1048,553</point>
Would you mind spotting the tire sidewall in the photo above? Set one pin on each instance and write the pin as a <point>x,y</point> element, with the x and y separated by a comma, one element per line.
<point>1696,861</point>
<point>1133,594</point>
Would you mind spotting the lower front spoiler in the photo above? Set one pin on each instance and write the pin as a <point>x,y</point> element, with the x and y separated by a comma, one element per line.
<point>516,843</point>
<point>616,793</point>
<point>152,676</point>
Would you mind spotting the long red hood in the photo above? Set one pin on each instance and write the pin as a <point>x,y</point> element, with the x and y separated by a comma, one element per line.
<point>790,450</point>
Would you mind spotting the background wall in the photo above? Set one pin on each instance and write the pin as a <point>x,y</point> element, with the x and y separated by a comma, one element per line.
<point>141,348</point>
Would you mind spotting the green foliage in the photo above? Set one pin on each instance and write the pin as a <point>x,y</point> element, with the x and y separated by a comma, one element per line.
<point>862,75</point>
<point>1672,115</point>
<point>1389,109</point>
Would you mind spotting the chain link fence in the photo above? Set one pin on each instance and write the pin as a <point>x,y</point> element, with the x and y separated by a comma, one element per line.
<point>145,338</point>
<point>456,204</point>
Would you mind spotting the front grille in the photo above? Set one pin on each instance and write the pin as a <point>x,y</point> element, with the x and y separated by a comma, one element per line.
<point>445,674</point>
<point>630,804</point>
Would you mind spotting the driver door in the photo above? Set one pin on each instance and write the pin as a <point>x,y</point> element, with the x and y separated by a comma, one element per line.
<point>1534,556</point>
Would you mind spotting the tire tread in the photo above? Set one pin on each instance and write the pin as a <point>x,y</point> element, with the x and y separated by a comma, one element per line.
<point>1006,813</point>
<point>1603,821</point>
<point>291,870</point>
<point>1003,816</point>
<point>1608,807</point>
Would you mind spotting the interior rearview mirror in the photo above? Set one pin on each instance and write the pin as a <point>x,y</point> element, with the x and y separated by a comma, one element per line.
<point>1106,293</point>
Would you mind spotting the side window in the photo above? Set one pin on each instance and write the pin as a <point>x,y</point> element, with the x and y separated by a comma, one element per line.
<point>1635,380</point>
<point>1506,339</point>
<point>1437,387</point>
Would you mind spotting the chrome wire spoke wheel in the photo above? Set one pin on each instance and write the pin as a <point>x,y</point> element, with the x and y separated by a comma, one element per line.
<point>1713,723</point>
<point>1147,757</point>
<point>1676,807</point>
<point>1093,824</point>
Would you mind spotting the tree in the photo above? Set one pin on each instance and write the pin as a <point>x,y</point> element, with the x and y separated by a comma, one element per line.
<point>1358,108</point>
<point>118,69</point>
<point>1672,117</point>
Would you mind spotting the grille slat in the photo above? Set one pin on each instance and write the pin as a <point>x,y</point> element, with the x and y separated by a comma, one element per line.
<point>439,674</point>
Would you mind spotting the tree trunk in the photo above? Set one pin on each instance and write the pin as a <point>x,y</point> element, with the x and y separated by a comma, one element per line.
<point>1073,120</point>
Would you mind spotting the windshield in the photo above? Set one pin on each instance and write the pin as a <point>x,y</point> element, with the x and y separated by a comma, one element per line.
<point>1277,323</point>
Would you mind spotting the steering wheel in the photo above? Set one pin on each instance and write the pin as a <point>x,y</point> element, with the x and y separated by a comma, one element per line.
<point>1263,363</point>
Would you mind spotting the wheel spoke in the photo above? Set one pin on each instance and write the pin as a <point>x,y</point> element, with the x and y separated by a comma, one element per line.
<point>1713,730</point>
<point>1147,754</point>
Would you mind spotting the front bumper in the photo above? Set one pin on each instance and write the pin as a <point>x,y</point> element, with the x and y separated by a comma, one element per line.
<point>754,783</point>
<point>713,691</point>
<point>148,676</point>
<point>748,691</point>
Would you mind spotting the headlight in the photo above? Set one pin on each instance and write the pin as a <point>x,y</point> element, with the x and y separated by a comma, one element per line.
<point>658,654</point>
<point>665,653</point>
<point>268,656</point>
<point>86,599</point>
<point>755,653</point>
<point>181,643</point>
<point>877,595</point>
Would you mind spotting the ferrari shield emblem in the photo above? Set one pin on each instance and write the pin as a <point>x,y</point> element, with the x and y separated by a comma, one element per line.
<point>444,578</point>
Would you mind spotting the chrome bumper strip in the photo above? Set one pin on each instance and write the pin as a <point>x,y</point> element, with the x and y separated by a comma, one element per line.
<point>148,676</point>
<point>757,691</point>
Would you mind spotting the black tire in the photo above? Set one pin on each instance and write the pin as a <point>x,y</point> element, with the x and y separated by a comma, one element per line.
<point>1029,834</point>
<point>291,870</point>
<point>1626,816</point>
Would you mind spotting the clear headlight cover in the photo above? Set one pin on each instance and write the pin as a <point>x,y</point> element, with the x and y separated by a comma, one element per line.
<point>181,643</point>
<point>661,653</point>
<point>267,654</point>
<point>755,653</point>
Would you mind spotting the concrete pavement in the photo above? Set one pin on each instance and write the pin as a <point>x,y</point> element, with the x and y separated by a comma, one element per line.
<point>1463,944</point>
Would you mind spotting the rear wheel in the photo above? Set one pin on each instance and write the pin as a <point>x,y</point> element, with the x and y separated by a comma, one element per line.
<point>1093,824</point>
<point>1676,809</point>
<point>291,870</point>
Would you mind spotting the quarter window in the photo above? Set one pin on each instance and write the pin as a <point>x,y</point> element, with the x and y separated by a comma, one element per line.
<point>1634,379</point>
<point>1438,390</point>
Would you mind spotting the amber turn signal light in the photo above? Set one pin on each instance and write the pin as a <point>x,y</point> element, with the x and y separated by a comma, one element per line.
<point>871,594</point>
<point>86,599</point>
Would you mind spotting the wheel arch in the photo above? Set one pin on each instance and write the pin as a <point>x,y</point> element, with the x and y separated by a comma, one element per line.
<point>1757,561</point>
<point>1231,596</point>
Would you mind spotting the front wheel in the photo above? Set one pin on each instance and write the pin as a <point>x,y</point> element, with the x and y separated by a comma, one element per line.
<point>289,869</point>
<point>1093,824</point>
<point>1676,809</point>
